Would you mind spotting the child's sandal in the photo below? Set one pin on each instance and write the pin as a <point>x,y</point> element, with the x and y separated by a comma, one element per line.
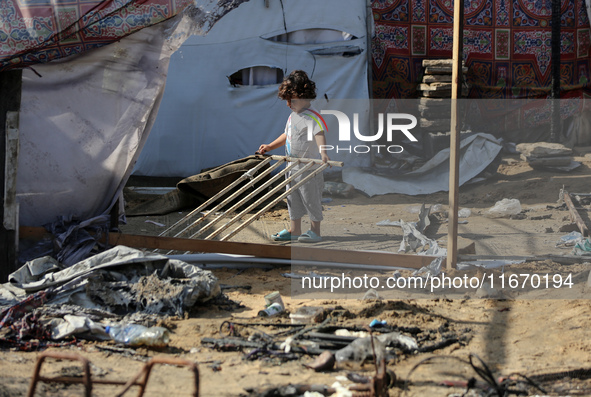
<point>284,235</point>
<point>309,237</point>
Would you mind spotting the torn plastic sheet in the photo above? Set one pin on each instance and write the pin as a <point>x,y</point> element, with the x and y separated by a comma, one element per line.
<point>582,248</point>
<point>76,325</point>
<point>34,270</point>
<point>570,240</point>
<point>124,279</point>
<point>415,241</point>
<point>487,263</point>
<point>476,153</point>
<point>433,269</point>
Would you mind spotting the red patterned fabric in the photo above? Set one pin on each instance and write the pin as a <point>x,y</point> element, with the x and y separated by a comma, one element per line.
<point>506,46</point>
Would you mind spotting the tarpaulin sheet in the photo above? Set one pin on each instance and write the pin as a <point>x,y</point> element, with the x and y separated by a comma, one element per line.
<point>84,119</point>
<point>476,153</point>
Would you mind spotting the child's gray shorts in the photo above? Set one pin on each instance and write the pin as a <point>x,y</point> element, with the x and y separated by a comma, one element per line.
<point>306,199</point>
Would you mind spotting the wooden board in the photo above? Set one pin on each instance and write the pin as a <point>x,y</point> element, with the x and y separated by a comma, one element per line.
<point>376,258</point>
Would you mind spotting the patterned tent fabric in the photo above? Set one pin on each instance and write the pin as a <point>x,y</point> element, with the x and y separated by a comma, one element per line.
<point>506,46</point>
<point>39,31</point>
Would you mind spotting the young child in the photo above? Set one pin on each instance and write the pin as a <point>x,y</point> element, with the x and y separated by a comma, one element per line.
<point>298,91</point>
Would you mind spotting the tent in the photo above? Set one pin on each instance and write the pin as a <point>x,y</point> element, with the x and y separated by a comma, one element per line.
<point>85,115</point>
<point>220,101</point>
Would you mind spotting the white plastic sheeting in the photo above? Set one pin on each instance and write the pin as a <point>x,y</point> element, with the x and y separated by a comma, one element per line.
<point>205,121</point>
<point>84,120</point>
<point>476,153</point>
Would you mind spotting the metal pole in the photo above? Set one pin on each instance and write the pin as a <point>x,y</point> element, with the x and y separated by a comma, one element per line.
<point>555,132</point>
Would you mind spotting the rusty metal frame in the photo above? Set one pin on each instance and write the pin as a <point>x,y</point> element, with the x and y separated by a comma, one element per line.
<point>88,382</point>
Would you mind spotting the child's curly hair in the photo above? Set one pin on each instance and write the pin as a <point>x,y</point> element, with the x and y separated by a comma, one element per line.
<point>297,84</point>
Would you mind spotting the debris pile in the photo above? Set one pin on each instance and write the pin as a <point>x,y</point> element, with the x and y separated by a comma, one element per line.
<point>328,346</point>
<point>49,302</point>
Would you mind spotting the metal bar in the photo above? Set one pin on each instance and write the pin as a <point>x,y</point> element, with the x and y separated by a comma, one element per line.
<point>86,379</point>
<point>232,197</point>
<point>307,160</point>
<point>268,206</point>
<point>147,369</point>
<point>218,195</point>
<point>245,199</point>
<point>262,199</point>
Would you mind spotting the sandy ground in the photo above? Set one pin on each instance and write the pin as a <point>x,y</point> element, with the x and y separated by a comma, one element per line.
<point>527,329</point>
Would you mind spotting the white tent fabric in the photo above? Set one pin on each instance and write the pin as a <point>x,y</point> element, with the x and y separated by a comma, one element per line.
<point>205,121</point>
<point>84,120</point>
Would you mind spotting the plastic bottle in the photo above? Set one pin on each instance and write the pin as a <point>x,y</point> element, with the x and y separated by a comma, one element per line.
<point>137,335</point>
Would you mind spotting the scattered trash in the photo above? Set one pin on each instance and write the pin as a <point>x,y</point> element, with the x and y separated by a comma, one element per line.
<point>359,352</point>
<point>582,248</point>
<point>464,213</point>
<point>271,310</point>
<point>570,240</point>
<point>486,291</point>
<point>338,189</point>
<point>435,208</point>
<point>414,241</point>
<point>273,305</point>
<point>274,297</point>
<point>326,200</point>
<point>371,294</point>
<point>76,325</point>
<point>504,208</point>
<point>433,269</point>
<point>139,335</point>
<point>307,315</point>
<point>424,221</point>
<point>324,362</point>
<point>375,322</point>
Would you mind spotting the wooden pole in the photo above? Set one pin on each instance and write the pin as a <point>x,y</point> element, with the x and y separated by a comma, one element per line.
<point>555,128</point>
<point>10,100</point>
<point>454,160</point>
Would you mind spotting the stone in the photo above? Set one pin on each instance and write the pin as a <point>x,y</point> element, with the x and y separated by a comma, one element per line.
<point>543,149</point>
<point>437,78</point>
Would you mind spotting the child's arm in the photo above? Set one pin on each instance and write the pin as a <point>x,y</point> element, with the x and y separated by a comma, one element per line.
<point>280,141</point>
<point>321,143</point>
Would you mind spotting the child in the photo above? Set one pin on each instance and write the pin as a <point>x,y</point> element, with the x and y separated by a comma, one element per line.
<point>298,91</point>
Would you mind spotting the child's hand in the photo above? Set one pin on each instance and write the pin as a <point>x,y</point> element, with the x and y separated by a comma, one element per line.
<point>325,157</point>
<point>263,149</point>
